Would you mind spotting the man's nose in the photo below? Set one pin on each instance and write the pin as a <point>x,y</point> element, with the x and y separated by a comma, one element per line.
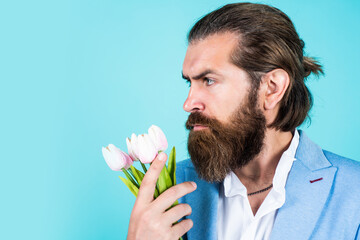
<point>193,102</point>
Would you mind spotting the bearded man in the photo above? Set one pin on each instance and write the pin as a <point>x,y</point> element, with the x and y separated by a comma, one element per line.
<point>256,175</point>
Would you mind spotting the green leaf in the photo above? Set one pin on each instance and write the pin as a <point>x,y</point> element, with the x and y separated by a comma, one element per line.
<point>175,203</point>
<point>168,180</point>
<point>130,185</point>
<point>156,193</point>
<point>172,165</point>
<point>130,178</point>
<point>161,182</point>
<point>164,182</point>
<point>137,174</point>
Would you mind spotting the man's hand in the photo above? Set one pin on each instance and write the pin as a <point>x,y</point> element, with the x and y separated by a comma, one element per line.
<point>149,218</point>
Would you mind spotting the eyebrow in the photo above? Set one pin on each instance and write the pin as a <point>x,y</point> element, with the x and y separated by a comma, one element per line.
<point>199,76</point>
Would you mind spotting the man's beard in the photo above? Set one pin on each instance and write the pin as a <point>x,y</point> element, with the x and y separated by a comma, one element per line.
<point>222,148</point>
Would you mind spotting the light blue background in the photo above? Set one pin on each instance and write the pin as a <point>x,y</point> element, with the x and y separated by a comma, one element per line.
<point>78,75</point>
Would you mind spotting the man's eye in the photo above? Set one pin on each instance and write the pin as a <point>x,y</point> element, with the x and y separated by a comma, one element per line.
<point>188,82</point>
<point>209,81</point>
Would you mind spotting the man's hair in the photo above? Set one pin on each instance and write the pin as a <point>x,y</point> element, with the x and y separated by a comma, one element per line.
<point>267,40</point>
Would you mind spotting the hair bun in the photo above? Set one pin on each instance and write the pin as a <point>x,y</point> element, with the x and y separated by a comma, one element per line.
<point>312,66</point>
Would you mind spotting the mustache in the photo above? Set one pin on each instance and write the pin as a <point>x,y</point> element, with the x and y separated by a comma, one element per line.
<point>197,118</point>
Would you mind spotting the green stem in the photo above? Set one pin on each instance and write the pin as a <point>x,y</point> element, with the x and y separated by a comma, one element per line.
<point>143,167</point>
<point>132,174</point>
<point>130,177</point>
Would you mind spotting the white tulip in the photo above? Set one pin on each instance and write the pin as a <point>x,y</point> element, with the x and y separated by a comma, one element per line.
<point>132,147</point>
<point>115,158</point>
<point>146,149</point>
<point>158,138</point>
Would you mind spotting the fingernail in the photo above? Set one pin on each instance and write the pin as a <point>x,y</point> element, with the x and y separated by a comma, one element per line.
<point>194,184</point>
<point>161,156</point>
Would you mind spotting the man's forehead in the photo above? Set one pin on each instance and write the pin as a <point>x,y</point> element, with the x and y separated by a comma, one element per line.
<point>209,54</point>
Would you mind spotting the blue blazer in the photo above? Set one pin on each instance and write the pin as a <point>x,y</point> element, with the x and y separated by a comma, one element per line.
<point>325,209</point>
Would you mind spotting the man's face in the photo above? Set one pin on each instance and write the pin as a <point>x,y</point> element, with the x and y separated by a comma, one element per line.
<point>217,85</point>
<point>226,126</point>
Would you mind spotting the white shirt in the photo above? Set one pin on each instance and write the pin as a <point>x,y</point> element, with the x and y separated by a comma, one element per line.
<point>236,220</point>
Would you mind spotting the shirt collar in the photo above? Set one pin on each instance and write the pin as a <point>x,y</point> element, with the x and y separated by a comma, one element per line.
<point>233,185</point>
<point>285,164</point>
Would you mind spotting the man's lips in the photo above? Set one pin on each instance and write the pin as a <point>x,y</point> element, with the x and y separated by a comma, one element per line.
<point>198,127</point>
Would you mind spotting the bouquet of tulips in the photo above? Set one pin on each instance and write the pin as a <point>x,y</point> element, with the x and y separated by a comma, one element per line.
<point>143,148</point>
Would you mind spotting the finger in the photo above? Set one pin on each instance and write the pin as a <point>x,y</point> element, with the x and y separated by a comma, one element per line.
<point>181,228</point>
<point>148,184</point>
<point>167,198</point>
<point>176,213</point>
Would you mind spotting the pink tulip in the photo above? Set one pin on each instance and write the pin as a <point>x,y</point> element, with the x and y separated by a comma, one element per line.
<point>115,158</point>
<point>158,138</point>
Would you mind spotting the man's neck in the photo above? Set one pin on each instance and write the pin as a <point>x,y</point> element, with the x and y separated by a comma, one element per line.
<point>260,171</point>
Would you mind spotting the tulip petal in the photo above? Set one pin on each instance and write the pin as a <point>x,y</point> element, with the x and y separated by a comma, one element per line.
<point>106,155</point>
<point>147,150</point>
<point>134,146</point>
<point>129,161</point>
<point>130,150</point>
<point>114,157</point>
<point>153,137</point>
<point>158,137</point>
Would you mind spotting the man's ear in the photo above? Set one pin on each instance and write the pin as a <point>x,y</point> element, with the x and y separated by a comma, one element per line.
<point>276,83</point>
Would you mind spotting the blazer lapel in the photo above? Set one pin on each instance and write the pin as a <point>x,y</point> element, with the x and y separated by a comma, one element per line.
<point>203,201</point>
<point>307,189</point>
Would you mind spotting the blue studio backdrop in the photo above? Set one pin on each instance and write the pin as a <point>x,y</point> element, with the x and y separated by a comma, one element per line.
<point>78,75</point>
